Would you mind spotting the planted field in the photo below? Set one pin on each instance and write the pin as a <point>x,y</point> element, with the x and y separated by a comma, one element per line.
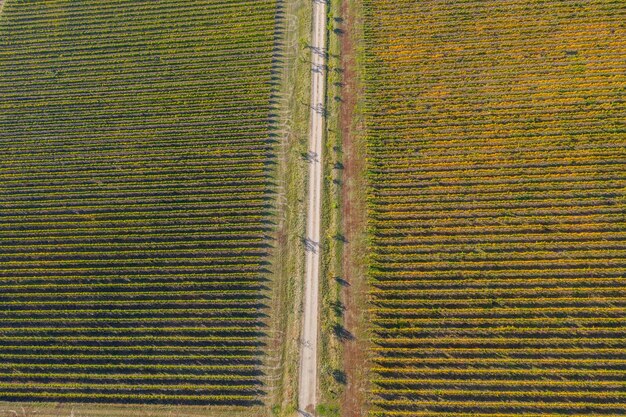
<point>136,151</point>
<point>497,164</point>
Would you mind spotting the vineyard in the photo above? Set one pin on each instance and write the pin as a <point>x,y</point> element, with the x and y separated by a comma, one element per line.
<point>497,166</point>
<point>136,200</point>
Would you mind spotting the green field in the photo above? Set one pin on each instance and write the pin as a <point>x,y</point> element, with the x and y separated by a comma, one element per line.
<point>136,200</point>
<point>497,168</point>
<point>155,216</point>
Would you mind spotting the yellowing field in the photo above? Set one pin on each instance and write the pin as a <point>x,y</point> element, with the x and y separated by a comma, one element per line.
<point>136,200</point>
<point>496,136</point>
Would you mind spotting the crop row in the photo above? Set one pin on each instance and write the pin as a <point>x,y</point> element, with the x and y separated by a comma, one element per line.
<point>136,200</point>
<point>496,166</point>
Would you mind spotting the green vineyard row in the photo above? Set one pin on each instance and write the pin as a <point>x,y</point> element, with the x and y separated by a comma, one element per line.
<point>136,200</point>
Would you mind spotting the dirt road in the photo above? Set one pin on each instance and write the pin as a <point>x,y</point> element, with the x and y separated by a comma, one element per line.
<point>307,390</point>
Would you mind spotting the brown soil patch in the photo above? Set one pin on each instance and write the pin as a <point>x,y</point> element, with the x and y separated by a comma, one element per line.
<point>354,222</point>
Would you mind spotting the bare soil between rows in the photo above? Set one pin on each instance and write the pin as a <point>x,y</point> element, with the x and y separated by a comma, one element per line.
<point>353,402</point>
